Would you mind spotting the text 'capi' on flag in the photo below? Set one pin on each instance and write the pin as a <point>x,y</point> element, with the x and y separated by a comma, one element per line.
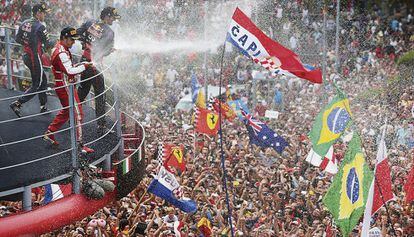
<point>255,44</point>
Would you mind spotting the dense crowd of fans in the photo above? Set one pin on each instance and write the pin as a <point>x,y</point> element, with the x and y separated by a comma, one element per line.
<point>270,194</point>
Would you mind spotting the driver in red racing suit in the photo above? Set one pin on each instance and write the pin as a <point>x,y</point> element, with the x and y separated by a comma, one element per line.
<point>64,72</point>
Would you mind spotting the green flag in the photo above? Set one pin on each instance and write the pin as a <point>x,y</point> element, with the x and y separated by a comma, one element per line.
<point>330,124</point>
<point>348,193</point>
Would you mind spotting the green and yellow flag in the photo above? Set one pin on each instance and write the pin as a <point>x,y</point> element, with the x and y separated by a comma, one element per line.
<point>330,124</point>
<point>348,193</point>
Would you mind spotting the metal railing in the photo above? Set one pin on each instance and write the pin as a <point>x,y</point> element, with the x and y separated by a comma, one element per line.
<point>106,159</point>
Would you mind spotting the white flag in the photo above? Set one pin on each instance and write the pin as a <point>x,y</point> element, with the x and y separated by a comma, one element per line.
<point>328,163</point>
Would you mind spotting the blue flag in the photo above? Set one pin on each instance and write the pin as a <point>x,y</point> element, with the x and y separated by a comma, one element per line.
<point>195,86</point>
<point>166,187</point>
<point>261,135</point>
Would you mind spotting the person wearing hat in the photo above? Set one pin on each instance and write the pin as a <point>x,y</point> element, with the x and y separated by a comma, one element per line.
<point>32,34</point>
<point>64,72</point>
<point>98,41</point>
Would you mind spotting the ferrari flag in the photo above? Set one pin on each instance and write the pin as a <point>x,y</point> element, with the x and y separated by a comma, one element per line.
<point>253,43</point>
<point>206,122</point>
<point>226,110</point>
<point>173,156</point>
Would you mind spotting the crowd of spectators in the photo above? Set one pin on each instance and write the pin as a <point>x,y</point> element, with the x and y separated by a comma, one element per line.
<point>270,194</point>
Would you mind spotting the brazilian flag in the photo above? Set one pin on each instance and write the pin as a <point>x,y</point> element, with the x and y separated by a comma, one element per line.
<point>330,124</point>
<point>347,196</point>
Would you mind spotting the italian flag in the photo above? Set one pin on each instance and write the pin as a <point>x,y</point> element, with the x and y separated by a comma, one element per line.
<point>126,165</point>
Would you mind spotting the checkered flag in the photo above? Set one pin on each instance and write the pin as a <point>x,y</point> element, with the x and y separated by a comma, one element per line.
<point>160,155</point>
<point>210,103</point>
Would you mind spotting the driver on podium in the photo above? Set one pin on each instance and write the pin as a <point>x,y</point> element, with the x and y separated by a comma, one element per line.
<point>65,72</point>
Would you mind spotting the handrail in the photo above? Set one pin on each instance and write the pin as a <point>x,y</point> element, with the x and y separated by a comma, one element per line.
<point>14,75</point>
<point>59,87</point>
<point>12,59</point>
<point>99,138</point>
<point>55,110</point>
<point>15,44</point>
<point>143,129</point>
<point>59,131</point>
<point>8,27</point>
<point>33,161</point>
<point>142,140</point>
<point>110,108</point>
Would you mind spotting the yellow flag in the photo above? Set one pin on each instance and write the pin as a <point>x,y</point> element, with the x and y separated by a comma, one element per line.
<point>201,102</point>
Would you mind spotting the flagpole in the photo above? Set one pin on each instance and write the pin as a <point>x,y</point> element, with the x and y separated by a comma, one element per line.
<point>138,204</point>
<point>325,97</point>
<point>338,10</point>
<point>375,180</point>
<point>324,52</point>
<point>205,53</point>
<point>221,142</point>
<point>194,144</point>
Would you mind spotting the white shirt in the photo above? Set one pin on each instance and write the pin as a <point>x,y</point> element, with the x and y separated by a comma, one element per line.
<point>293,42</point>
<point>279,12</point>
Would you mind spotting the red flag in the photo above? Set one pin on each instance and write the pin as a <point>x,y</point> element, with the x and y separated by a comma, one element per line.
<point>382,180</point>
<point>173,156</point>
<point>380,191</point>
<point>409,186</point>
<point>226,110</point>
<point>206,122</point>
<point>255,44</point>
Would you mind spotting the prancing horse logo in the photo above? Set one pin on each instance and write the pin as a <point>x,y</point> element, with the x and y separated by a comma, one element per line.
<point>212,120</point>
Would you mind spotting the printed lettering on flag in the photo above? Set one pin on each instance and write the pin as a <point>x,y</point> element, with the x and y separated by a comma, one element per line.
<point>167,179</point>
<point>245,41</point>
<point>255,44</point>
<point>335,119</point>
<point>166,186</point>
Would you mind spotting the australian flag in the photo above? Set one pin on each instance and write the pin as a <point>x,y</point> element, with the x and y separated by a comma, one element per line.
<point>261,135</point>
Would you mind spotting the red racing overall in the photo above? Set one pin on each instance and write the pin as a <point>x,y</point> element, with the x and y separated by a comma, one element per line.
<point>64,72</point>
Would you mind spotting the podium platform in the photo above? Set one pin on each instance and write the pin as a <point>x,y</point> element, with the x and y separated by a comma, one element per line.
<point>32,154</point>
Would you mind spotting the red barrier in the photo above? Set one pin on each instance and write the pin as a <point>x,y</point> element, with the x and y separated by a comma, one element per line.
<point>52,216</point>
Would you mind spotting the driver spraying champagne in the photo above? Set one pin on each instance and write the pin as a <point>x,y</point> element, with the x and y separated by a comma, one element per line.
<point>65,72</point>
<point>97,42</point>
